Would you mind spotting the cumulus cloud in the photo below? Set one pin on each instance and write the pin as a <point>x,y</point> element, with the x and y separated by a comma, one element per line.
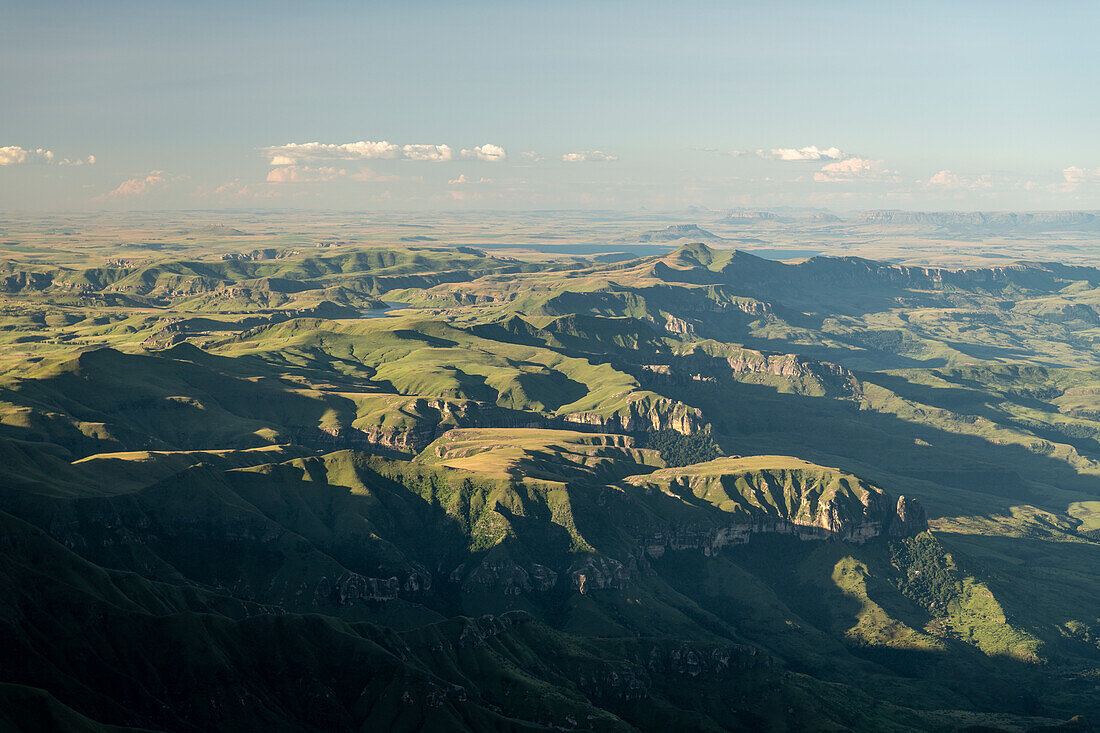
<point>293,153</point>
<point>590,156</point>
<point>852,169</point>
<point>16,155</point>
<point>237,191</point>
<point>321,174</point>
<point>1076,175</point>
<point>945,179</point>
<point>297,153</point>
<point>303,174</point>
<point>809,152</point>
<point>228,188</point>
<point>530,156</point>
<point>436,153</point>
<point>463,180</point>
<point>139,186</point>
<point>488,151</point>
<point>366,174</point>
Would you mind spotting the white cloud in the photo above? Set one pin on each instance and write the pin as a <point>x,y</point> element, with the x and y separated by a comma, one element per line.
<point>463,180</point>
<point>12,155</point>
<point>303,174</point>
<point>138,186</point>
<point>321,174</point>
<point>488,151</point>
<point>948,180</point>
<point>295,153</point>
<point>366,174</point>
<point>852,169</point>
<point>531,156</point>
<point>15,155</point>
<point>292,153</point>
<point>810,152</point>
<point>593,156</point>
<point>437,153</point>
<point>944,178</point>
<point>229,187</point>
<point>236,191</point>
<point>1076,176</point>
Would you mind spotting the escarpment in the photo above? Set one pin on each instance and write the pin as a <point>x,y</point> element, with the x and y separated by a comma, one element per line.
<point>644,413</point>
<point>768,494</point>
<point>790,371</point>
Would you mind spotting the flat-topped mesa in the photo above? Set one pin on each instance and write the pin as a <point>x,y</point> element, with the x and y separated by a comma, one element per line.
<point>679,231</point>
<point>773,494</point>
<point>545,455</point>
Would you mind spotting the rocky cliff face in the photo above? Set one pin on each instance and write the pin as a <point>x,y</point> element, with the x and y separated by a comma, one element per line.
<point>798,370</point>
<point>598,572</point>
<point>805,376</point>
<point>498,573</point>
<point>776,495</point>
<point>426,420</point>
<point>647,413</point>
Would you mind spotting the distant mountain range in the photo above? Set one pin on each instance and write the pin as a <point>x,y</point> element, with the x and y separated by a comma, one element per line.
<point>1000,220</point>
<point>986,221</point>
<point>783,215</point>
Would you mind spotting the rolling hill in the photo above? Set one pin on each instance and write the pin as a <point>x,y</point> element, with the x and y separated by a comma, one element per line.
<point>698,490</point>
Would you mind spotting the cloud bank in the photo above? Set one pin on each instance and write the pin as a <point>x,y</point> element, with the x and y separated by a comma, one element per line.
<point>810,152</point>
<point>16,155</point>
<point>853,169</point>
<point>1075,176</point>
<point>945,179</point>
<point>589,156</point>
<point>139,186</point>
<point>488,151</point>
<point>316,152</point>
<point>321,174</point>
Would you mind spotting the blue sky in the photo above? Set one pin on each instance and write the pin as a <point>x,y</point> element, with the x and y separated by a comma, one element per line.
<point>963,105</point>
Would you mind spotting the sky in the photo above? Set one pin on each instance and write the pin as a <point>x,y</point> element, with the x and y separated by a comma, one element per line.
<point>167,104</point>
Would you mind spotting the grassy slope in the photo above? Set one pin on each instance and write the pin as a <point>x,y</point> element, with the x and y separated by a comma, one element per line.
<point>1003,455</point>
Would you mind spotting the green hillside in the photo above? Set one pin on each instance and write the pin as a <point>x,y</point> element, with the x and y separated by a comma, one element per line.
<point>435,488</point>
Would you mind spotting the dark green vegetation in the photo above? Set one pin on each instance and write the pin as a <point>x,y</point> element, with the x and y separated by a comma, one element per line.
<point>695,491</point>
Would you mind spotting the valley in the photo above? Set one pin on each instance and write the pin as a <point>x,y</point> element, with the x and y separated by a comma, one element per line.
<point>344,477</point>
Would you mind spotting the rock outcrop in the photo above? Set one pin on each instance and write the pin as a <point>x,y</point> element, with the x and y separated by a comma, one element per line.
<point>648,412</point>
<point>775,495</point>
